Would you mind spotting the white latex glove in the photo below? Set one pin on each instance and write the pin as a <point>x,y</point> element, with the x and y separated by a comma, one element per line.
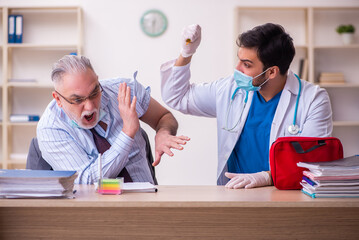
<point>191,33</point>
<point>239,180</point>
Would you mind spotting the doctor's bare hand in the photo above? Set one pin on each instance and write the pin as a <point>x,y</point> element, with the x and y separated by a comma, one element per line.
<point>238,180</point>
<point>191,38</point>
<point>127,110</point>
<point>164,141</point>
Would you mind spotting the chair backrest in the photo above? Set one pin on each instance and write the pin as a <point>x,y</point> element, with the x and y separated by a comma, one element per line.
<point>149,155</point>
<point>36,162</point>
<point>34,158</point>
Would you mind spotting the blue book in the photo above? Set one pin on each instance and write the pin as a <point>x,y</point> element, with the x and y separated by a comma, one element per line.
<point>24,118</point>
<point>18,28</point>
<point>309,181</point>
<point>330,195</point>
<point>39,174</point>
<point>11,29</point>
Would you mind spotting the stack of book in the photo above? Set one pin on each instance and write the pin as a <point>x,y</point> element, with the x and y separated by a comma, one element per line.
<point>36,183</point>
<point>331,77</point>
<point>338,178</point>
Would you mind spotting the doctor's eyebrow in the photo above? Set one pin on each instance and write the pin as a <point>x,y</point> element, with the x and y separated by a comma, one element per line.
<point>244,60</point>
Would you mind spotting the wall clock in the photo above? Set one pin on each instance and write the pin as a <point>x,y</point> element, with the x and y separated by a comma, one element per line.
<point>153,23</point>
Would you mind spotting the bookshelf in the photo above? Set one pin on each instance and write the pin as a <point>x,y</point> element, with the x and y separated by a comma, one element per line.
<point>48,34</point>
<point>315,39</point>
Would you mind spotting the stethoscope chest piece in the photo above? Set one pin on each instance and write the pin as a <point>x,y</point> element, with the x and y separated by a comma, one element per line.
<point>293,129</point>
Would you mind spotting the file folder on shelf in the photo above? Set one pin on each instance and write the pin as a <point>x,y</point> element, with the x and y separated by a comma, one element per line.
<point>18,28</point>
<point>11,29</point>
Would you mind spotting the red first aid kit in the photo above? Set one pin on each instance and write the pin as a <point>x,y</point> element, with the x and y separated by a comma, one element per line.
<point>286,152</point>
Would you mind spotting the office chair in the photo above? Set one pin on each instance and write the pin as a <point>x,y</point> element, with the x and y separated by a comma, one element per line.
<point>36,162</point>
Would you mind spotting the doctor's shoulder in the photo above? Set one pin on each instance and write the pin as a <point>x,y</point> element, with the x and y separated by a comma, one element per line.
<point>313,91</point>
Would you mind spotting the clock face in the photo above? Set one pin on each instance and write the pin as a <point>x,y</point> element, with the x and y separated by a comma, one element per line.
<point>153,23</point>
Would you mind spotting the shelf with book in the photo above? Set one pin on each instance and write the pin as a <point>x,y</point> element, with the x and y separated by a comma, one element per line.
<point>337,60</point>
<point>317,43</point>
<point>38,26</point>
<point>48,33</point>
<point>330,55</point>
<point>339,85</point>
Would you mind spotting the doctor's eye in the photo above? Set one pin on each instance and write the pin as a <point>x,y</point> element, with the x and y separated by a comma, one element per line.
<point>247,65</point>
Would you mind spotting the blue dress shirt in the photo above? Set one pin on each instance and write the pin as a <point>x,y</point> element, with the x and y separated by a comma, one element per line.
<point>67,147</point>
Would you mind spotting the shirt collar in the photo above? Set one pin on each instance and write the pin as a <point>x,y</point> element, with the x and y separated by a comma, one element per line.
<point>291,84</point>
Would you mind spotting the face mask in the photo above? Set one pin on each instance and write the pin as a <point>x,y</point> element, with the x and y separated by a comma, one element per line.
<point>245,82</point>
<point>74,124</point>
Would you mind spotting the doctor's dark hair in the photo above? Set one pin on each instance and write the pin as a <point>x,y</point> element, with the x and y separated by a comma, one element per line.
<point>69,64</point>
<point>274,46</point>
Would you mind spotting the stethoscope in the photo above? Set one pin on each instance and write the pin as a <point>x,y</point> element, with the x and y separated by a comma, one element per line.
<point>292,129</point>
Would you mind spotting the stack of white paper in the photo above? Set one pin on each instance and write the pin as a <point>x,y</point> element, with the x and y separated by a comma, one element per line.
<point>36,183</point>
<point>139,187</point>
<point>339,178</point>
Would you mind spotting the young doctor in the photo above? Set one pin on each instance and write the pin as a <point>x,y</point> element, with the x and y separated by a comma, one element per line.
<point>261,101</point>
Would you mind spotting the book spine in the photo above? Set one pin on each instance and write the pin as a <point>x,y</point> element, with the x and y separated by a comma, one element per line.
<point>18,28</point>
<point>24,118</point>
<point>11,29</point>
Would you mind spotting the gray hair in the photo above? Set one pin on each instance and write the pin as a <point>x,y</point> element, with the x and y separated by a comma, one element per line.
<point>69,64</point>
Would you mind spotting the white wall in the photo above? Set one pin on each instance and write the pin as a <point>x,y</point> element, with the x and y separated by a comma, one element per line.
<point>113,40</point>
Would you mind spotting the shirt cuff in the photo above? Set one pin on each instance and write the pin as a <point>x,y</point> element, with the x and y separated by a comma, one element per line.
<point>123,143</point>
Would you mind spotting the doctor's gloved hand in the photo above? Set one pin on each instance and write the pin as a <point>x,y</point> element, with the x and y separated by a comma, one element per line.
<point>191,38</point>
<point>238,180</point>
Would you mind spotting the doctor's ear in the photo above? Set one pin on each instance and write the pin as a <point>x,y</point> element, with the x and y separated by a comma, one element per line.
<point>273,72</point>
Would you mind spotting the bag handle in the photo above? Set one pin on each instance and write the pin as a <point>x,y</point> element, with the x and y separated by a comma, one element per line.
<point>298,148</point>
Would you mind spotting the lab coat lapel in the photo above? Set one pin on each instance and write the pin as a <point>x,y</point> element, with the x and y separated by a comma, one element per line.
<point>290,88</point>
<point>234,136</point>
<point>231,138</point>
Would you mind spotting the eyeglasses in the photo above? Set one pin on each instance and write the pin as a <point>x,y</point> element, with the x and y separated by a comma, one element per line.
<point>78,100</point>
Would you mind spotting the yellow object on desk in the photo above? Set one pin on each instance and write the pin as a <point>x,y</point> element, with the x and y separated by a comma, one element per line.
<point>111,186</point>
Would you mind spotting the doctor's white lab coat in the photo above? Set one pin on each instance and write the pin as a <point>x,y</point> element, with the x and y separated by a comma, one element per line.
<point>314,116</point>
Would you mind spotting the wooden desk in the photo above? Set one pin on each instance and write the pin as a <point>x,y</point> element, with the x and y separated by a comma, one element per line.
<point>186,212</point>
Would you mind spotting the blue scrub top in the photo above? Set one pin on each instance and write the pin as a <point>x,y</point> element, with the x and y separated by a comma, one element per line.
<point>251,152</point>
